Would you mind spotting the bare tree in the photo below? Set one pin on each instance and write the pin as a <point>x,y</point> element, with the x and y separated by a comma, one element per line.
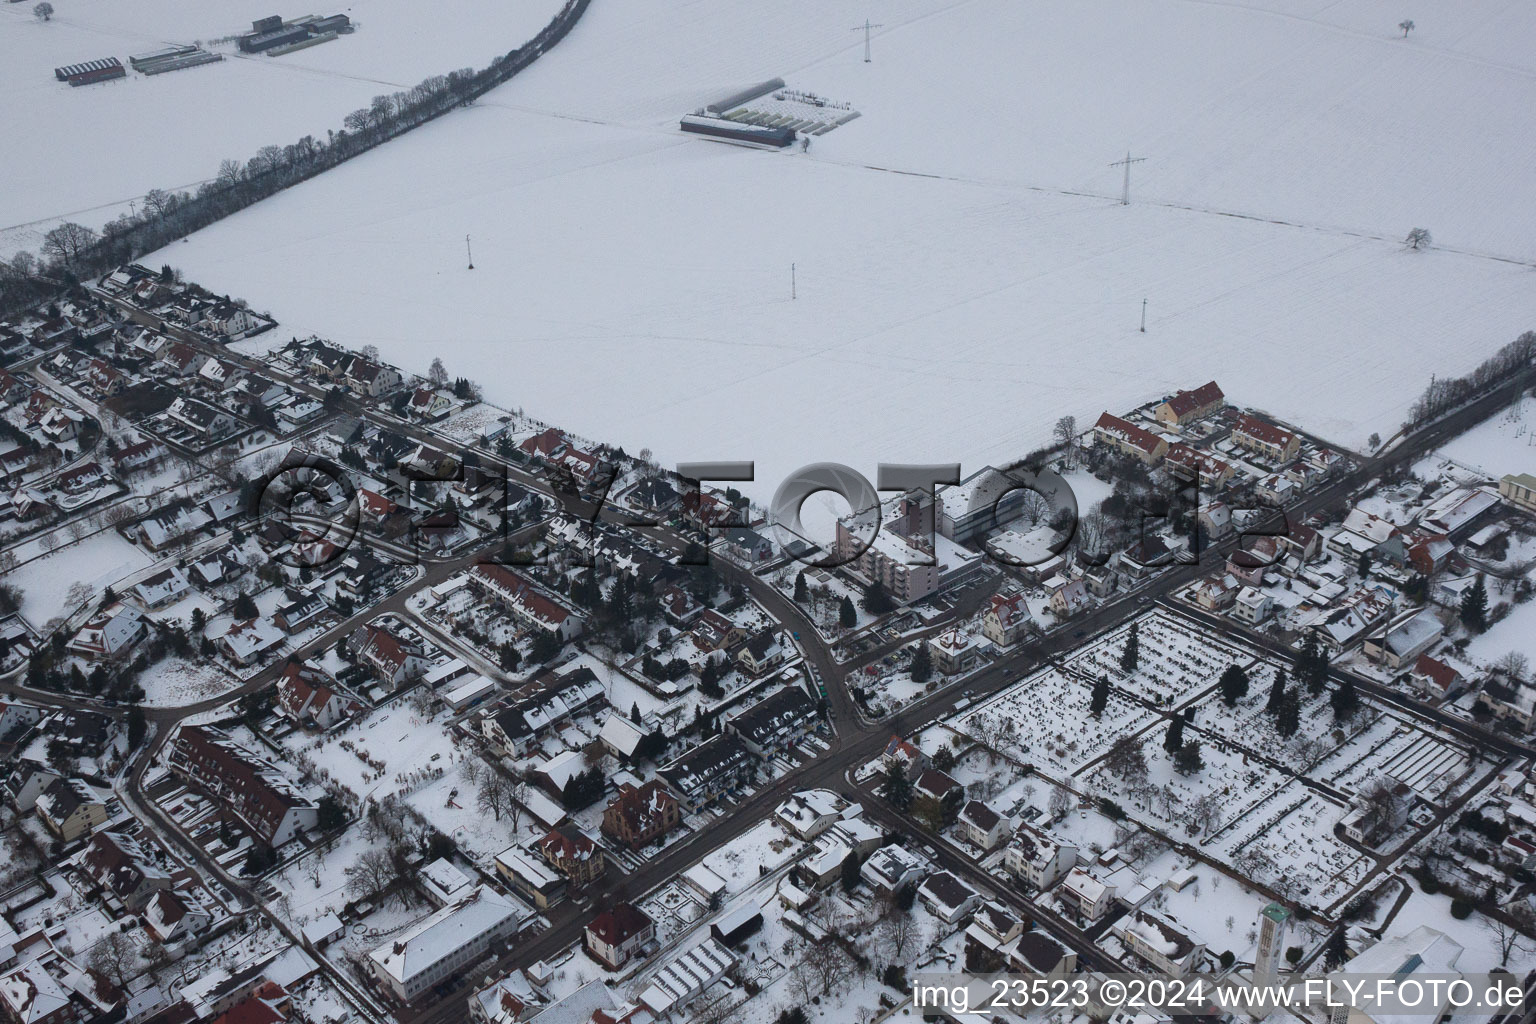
<point>372,873</point>
<point>43,11</point>
<point>437,373</point>
<point>1060,803</point>
<point>1509,937</point>
<point>900,933</point>
<point>824,966</point>
<point>1065,433</point>
<point>116,957</point>
<point>1513,665</point>
<point>66,243</point>
<point>1406,25</point>
<point>1203,812</point>
<point>1418,238</point>
<point>495,793</point>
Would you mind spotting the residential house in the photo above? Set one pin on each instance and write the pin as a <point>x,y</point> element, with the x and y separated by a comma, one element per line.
<point>717,767</point>
<point>1070,597</point>
<point>811,812</point>
<point>1198,466</point>
<point>110,634</point>
<point>1187,406</point>
<point>1434,678</point>
<point>1038,858</point>
<point>641,815</point>
<point>1159,941</point>
<point>1251,606</point>
<point>393,660</point>
<point>981,826</point>
<point>308,694</point>
<point>937,797</point>
<point>369,379</point>
<point>71,809</point>
<point>1402,643</point>
<point>1128,439</point>
<point>117,864</point>
<point>946,897</point>
<point>619,934</point>
<point>247,640</point>
<point>165,587</point>
<point>905,756</point>
<point>572,852</point>
<point>1085,893</point>
<point>1263,438</point>
<point>171,917</point>
<point>1510,700</point>
<point>1007,620</point>
<point>529,604</point>
<point>202,421</point>
<point>300,611</point>
<point>761,653</point>
<point>776,723</point>
<point>892,868</point>
<point>250,786</point>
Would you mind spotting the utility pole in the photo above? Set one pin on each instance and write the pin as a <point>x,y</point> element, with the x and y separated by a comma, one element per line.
<point>1143,316</point>
<point>468,253</point>
<point>792,281</point>
<point>865,28</point>
<point>1125,191</point>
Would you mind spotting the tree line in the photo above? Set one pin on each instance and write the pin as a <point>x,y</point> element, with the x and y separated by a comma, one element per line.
<point>72,253</point>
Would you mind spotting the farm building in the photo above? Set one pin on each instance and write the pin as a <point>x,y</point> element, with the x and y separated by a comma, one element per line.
<point>103,70</point>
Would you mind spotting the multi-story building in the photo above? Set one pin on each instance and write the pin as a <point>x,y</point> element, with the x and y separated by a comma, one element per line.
<point>641,815</point>
<point>1188,406</point>
<point>1263,438</point>
<point>448,942</point>
<point>617,935</point>
<point>1519,489</point>
<point>1037,857</point>
<point>1127,438</point>
<point>572,852</point>
<point>247,784</point>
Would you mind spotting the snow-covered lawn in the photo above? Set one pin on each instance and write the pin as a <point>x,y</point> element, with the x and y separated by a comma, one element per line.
<point>971,312</point>
<point>1504,444</point>
<point>99,561</point>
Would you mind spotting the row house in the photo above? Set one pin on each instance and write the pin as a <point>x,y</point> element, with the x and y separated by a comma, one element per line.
<point>203,421</point>
<point>1195,465</point>
<point>138,457</point>
<point>251,787</point>
<point>517,727</point>
<point>1187,406</point>
<point>1126,438</point>
<point>530,604</point>
<point>776,723</point>
<point>717,767</point>
<point>1264,438</point>
<point>641,814</point>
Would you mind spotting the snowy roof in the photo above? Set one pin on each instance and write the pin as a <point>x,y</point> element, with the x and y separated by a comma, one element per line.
<point>622,735</point>
<point>425,943</point>
<point>445,877</point>
<point>687,976</point>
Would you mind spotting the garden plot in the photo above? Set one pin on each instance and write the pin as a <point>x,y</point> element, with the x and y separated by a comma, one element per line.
<point>1430,765</point>
<point>1177,658</point>
<point>1059,732</point>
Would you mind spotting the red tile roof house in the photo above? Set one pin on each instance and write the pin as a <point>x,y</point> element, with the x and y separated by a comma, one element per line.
<point>1433,676</point>
<point>531,605</point>
<point>251,787</point>
<point>570,852</point>
<point>305,694</point>
<point>641,815</point>
<point>1275,443</point>
<point>1187,406</point>
<point>393,660</point>
<point>615,936</point>
<point>1128,439</point>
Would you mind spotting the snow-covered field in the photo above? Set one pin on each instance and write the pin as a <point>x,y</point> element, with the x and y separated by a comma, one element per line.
<point>1506,443</point>
<point>84,153</point>
<point>965,273</point>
